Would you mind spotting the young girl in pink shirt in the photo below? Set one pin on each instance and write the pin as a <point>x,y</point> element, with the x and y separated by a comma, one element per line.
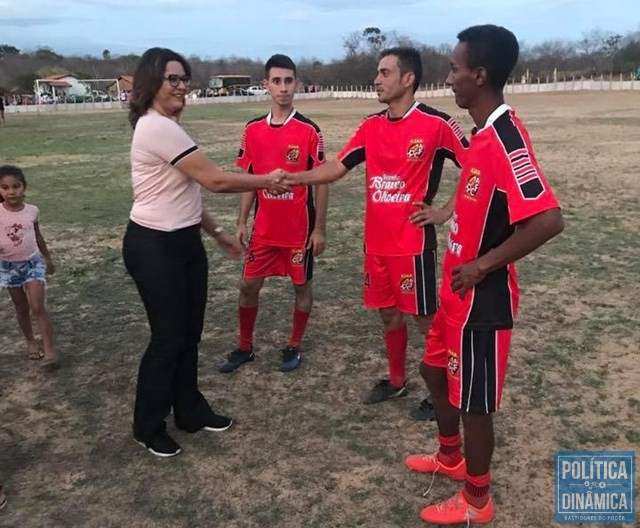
<point>24,263</point>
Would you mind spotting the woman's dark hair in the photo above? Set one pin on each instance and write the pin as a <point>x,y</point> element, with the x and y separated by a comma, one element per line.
<point>16,172</point>
<point>148,79</point>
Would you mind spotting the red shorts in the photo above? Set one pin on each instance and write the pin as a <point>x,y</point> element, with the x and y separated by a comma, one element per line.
<point>272,261</point>
<point>406,282</point>
<point>476,363</point>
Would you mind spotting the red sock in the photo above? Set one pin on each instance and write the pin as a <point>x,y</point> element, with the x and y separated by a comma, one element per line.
<point>300,319</point>
<point>396,341</point>
<point>247,318</point>
<point>476,489</point>
<point>449,453</point>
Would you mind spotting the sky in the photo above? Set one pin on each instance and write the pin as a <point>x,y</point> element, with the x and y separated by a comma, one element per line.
<point>299,28</point>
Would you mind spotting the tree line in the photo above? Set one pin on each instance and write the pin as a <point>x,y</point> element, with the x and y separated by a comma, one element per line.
<point>597,53</point>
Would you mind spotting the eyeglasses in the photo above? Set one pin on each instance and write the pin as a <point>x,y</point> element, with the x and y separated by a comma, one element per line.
<point>174,80</point>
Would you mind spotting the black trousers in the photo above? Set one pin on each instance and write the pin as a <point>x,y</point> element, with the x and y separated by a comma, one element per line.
<point>170,270</point>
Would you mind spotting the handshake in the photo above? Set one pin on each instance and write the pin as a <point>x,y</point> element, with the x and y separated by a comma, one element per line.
<point>280,182</point>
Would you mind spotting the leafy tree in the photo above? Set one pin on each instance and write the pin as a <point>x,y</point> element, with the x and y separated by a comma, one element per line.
<point>6,49</point>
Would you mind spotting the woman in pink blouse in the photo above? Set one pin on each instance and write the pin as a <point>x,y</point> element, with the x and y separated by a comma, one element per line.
<point>163,250</point>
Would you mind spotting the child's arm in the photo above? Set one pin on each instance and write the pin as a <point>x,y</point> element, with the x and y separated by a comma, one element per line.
<point>42,246</point>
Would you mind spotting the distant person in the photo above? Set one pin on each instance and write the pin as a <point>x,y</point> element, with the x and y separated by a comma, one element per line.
<point>504,209</point>
<point>163,249</point>
<point>404,148</point>
<point>25,262</point>
<point>288,230</point>
<point>2,110</point>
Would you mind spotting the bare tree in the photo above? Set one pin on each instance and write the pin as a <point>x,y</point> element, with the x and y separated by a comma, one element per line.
<point>352,43</point>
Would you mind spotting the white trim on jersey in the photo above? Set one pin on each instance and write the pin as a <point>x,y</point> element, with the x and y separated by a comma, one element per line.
<point>407,113</point>
<point>289,117</point>
<point>495,115</point>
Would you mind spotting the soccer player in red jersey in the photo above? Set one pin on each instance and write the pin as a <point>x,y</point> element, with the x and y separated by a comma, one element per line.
<point>404,147</point>
<point>504,209</point>
<point>289,229</point>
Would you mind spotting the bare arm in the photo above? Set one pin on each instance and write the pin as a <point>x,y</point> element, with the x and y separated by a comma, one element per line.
<point>242,231</point>
<point>326,173</point>
<point>42,246</point>
<point>209,224</point>
<point>427,214</point>
<point>197,167</point>
<point>246,201</point>
<point>528,236</point>
<point>318,238</point>
<point>228,244</point>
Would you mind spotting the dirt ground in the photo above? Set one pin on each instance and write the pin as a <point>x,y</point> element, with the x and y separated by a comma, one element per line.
<point>303,451</point>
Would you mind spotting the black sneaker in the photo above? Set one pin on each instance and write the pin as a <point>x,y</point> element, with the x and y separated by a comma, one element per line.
<point>383,390</point>
<point>162,445</point>
<point>218,423</point>
<point>235,359</point>
<point>424,412</point>
<point>290,359</point>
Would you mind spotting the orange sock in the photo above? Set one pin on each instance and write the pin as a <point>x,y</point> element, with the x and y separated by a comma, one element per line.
<point>476,489</point>
<point>449,453</point>
<point>247,318</point>
<point>300,319</point>
<point>396,343</point>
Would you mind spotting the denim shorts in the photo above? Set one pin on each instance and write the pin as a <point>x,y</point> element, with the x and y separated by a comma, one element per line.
<point>17,274</point>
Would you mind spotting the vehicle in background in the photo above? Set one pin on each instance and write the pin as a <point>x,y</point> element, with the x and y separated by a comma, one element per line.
<point>222,85</point>
<point>257,90</point>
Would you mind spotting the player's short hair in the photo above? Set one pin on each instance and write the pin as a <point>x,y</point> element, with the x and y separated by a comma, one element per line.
<point>148,79</point>
<point>493,48</point>
<point>409,60</point>
<point>16,172</point>
<point>279,61</point>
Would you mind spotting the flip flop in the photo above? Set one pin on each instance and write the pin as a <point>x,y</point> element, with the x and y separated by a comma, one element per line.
<point>37,354</point>
<point>50,364</point>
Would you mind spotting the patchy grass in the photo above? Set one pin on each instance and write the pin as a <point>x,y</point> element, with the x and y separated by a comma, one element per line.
<point>304,451</point>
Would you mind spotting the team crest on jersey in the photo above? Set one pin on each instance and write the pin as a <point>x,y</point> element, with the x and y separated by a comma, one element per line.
<point>293,153</point>
<point>452,365</point>
<point>473,183</point>
<point>407,283</point>
<point>415,151</point>
<point>297,257</point>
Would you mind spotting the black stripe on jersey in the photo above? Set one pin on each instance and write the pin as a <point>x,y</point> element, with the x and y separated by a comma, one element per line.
<point>242,146</point>
<point>303,119</point>
<point>479,371</point>
<point>308,265</point>
<point>184,154</point>
<point>451,123</point>
<point>492,298</point>
<point>523,170</point>
<point>425,288</point>
<point>311,210</point>
<point>355,157</point>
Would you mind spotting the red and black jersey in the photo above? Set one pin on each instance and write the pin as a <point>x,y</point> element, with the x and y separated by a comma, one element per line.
<point>296,145</point>
<point>500,185</point>
<point>404,159</point>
